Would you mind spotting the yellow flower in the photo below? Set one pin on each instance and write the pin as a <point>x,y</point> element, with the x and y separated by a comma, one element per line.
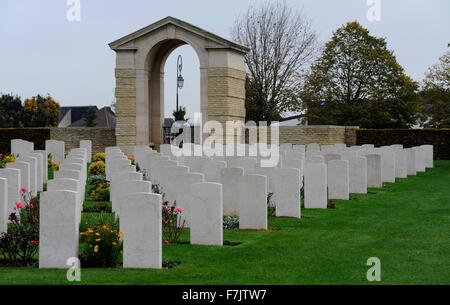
<point>121,252</point>
<point>98,234</point>
<point>90,246</point>
<point>114,243</point>
<point>98,239</point>
<point>96,249</point>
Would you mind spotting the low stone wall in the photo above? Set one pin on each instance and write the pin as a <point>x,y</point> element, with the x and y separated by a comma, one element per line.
<point>321,134</point>
<point>100,137</point>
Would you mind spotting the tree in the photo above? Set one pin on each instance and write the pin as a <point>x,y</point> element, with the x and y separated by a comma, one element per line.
<point>357,81</point>
<point>180,114</point>
<point>40,111</point>
<point>10,111</point>
<point>89,117</point>
<point>281,43</point>
<point>434,97</point>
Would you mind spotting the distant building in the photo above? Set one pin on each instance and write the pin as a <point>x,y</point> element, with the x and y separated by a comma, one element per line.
<point>73,117</point>
<point>291,120</point>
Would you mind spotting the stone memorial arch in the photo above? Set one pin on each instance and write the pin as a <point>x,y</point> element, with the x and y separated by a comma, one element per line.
<point>140,59</point>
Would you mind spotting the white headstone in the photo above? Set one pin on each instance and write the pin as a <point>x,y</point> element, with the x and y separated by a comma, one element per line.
<point>252,201</point>
<point>206,218</point>
<point>357,172</point>
<point>66,184</point>
<point>329,157</point>
<point>388,166</point>
<point>4,209</point>
<point>288,192</point>
<point>374,170</point>
<point>313,146</point>
<point>13,177</point>
<point>56,149</point>
<point>315,186</point>
<point>338,179</point>
<point>183,195</point>
<point>32,161</point>
<point>428,155</point>
<point>410,161</point>
<point>140,220</point>
<point>39,170</point>
<point>230,180</point>
<point>117,188</point>
<point>58,228</point>
<point>420,158</point>
<point>315,159</point>
<point>87,144</point>
<point>24,168</point>
<point>400,163</point>
<point>131,187</point>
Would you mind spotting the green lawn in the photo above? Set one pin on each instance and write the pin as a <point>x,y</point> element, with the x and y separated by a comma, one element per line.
<point>405,224</point>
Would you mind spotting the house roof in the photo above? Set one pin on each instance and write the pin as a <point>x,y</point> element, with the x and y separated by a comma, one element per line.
<point>291,118</point>
<point>104,118</point>
<point>76,112</point>
<point>228,44</point>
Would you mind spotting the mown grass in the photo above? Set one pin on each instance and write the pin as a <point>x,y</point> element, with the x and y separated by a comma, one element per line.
<point>405,224</point>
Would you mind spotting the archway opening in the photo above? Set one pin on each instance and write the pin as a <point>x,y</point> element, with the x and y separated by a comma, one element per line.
<point>189,94</point>
<point>163,86</point>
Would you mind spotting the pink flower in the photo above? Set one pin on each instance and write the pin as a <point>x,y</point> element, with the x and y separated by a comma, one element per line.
<point>31,206</point>
<point>14,208</point>
<point>164,207</point>
<point>179,210</point>
<point>24,190</point>
<point>1,155</point>
<point>130,158</point>
<point>19,205</point>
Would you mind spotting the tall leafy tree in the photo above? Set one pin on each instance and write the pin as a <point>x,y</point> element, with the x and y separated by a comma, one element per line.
<point>41,111</point>
<point>281,43</point>
<point>179,115</point>
<point>358,81</point>
<point>89,117</point>
<point>10,111</point>
<point>434,97</point>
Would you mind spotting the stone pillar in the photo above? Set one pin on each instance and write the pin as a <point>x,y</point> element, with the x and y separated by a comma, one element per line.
<point>125,94</point>
<point>155,113</point>
<point>226,88</point>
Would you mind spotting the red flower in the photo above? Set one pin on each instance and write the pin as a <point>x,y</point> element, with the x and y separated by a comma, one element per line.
<point>24,190</point>
<point>35,242</point>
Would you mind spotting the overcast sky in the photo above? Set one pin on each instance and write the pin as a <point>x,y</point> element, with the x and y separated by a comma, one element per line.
<point>42,52</point>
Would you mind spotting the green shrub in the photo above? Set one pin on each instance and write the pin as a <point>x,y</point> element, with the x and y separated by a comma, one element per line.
<point>6,159</point>
<point>231,222</point>
<point>19,245</point>
<point>97,168</point>
<point>100,192</point>
<point>99,157</point>
<point>103,246</point>
<point>36,135</point>
<point>439,138</point>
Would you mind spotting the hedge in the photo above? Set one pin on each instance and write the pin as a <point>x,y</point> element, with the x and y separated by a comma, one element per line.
<point>439,138</point>
<point>36,135</point>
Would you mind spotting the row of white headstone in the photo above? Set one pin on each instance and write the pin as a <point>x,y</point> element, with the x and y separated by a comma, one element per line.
<point>28,172</point>
<point>60,205</point>
<point>139,210</point>
<point>329,172</point>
